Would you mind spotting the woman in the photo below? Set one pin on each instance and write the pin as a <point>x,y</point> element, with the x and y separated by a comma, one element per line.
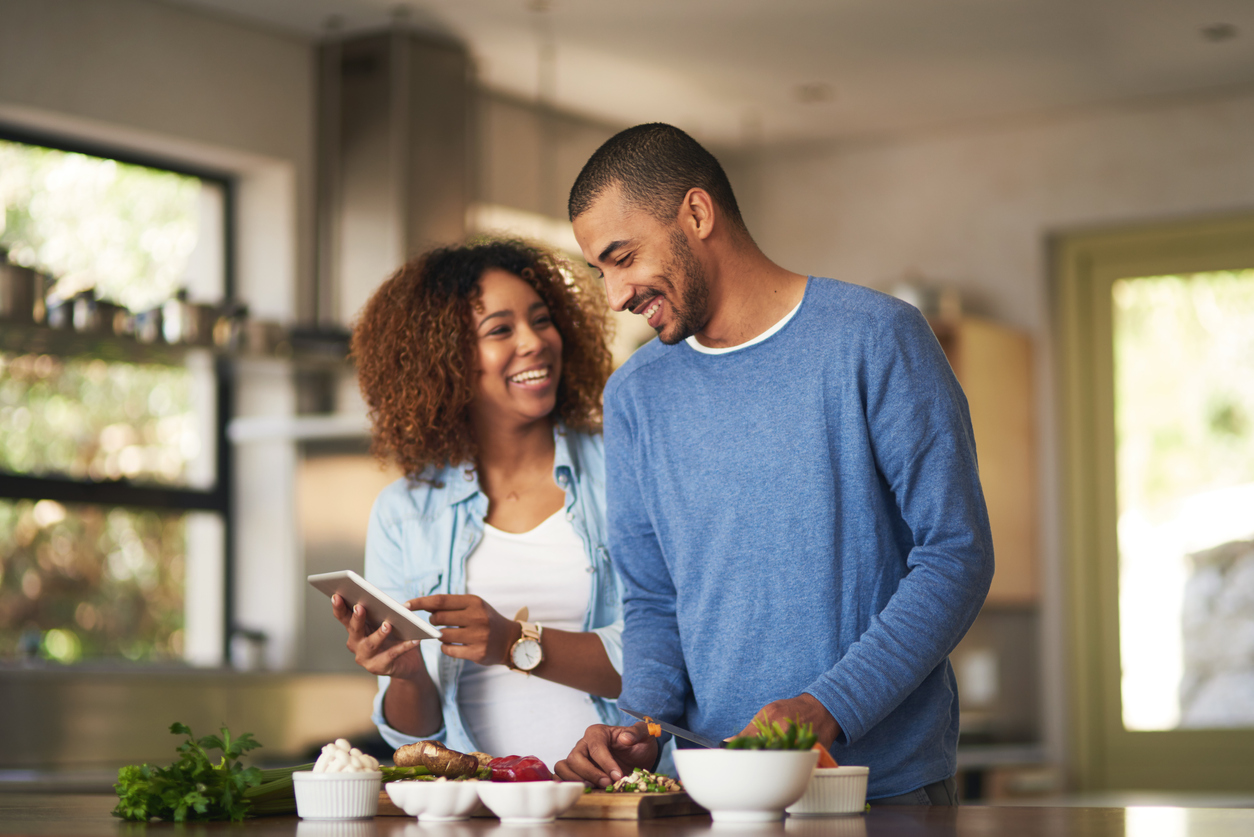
<point>483,366</point>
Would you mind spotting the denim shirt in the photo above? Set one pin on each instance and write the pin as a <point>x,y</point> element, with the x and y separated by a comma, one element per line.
<point>421,535</point>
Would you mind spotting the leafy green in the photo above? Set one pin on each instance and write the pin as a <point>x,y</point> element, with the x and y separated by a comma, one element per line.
<point>194,787</point>
<point>772,736</point>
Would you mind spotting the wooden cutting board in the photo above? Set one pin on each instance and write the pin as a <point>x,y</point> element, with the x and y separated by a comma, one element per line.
<point>597,805</point>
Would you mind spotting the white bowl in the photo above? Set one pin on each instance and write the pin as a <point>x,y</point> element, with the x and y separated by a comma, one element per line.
<point>833,790</point>
<point>528,802</point>
<point>745,785</point>
<point>337,796</point>
<point>435,801</point>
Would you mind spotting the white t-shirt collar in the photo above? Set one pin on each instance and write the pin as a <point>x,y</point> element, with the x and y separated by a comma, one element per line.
<point>708,350</point>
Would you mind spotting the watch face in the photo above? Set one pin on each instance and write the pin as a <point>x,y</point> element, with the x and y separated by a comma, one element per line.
<point>526,654</point>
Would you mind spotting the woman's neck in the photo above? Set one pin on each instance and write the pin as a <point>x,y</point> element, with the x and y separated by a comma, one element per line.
<point>515,470</point>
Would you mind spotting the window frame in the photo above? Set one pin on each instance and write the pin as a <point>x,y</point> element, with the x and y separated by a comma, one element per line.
<point>123,492</point>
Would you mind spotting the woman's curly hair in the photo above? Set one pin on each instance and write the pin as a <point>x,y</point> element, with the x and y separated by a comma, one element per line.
<point>414,347</point>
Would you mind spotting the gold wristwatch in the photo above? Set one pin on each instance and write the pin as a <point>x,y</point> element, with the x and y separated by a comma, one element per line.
<point>527,652</point>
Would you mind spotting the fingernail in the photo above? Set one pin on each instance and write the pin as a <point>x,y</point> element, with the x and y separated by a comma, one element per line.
<point>386,627</point>
<point>615,775</point>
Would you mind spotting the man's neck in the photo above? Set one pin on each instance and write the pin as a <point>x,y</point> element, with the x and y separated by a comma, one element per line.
<point>749,295</point>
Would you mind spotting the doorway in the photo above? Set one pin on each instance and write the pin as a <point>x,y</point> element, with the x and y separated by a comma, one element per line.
<point>1156,329</point>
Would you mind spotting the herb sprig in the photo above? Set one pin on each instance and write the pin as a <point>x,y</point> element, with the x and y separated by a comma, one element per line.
<point>194,787</point>
<point>772,736</point>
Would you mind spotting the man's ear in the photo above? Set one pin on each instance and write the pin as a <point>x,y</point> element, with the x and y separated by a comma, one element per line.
<point>696,212</point>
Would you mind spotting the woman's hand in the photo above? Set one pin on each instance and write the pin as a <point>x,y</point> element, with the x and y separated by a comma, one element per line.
<point>378,652</point>
<point>475,632</point>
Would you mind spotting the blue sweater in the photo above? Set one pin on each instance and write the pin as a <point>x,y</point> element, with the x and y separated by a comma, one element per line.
<point>801,515</point>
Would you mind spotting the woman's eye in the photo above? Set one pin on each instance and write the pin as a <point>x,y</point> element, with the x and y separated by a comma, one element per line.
<point>499,331</point>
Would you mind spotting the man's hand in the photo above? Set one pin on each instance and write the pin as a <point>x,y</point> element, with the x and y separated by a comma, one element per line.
<point>804,709</point>
<point>605,754</point>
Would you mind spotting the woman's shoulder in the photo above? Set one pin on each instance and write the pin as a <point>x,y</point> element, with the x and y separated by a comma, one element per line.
<point>432,492</point>
<point>585,450</point>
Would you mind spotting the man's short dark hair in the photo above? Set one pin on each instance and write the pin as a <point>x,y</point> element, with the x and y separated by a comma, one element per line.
<point>655,165</point>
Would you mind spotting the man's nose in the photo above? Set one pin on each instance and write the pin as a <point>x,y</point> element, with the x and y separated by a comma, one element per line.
<point>618,294</point>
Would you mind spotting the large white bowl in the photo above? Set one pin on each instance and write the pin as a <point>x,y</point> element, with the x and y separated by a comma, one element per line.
<point>435,801</point>
<point>528,802</point>
<point>833,790</point>
<point>336,796</point>
<point>745,785</point>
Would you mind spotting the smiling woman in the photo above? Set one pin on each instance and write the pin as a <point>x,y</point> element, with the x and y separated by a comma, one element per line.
<point>483,367</point>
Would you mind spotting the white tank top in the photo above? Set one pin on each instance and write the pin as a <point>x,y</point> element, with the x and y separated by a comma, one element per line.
<point>507,712</point>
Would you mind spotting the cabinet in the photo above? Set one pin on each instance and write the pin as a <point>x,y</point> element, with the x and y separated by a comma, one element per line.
<point>993,364</point>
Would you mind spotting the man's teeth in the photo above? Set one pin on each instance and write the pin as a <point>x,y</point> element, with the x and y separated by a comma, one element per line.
<point>652,309</point>
<point>529,376</point>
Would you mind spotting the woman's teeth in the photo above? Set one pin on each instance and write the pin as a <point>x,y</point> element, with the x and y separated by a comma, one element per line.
<point>530,376</point>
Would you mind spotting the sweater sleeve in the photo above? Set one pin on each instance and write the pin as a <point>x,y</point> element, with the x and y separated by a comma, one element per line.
<point>920,433</point>
<point>655,680</point>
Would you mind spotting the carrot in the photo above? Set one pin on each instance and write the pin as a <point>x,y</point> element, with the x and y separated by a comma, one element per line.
<point>654,729</point>
<point>825,757</point>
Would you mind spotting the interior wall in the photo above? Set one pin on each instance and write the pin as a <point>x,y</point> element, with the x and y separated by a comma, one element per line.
<point>975,209</point>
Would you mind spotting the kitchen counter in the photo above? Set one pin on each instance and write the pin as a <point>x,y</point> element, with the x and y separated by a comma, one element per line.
<point>88,816</point>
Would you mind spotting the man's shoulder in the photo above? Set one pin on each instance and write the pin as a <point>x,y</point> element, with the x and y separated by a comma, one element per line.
<point>850,298</point>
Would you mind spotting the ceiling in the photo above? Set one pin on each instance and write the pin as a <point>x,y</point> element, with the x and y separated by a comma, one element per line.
<point>741,72</point>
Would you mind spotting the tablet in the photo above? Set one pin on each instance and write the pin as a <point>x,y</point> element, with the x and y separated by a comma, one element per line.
<point>380,607</point>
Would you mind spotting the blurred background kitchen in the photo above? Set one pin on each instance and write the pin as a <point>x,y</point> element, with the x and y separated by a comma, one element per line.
<point>199,195</point>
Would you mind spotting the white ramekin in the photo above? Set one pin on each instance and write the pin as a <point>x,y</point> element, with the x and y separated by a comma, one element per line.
<point>833,790</point>
<point>337,796</point>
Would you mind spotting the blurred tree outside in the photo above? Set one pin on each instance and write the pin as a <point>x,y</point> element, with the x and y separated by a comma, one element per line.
<point>84,582</point>
<point>128,231</point>
<point>1184,427</point>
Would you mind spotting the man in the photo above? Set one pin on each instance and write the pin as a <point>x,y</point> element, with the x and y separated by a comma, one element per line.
<point>792,492</point>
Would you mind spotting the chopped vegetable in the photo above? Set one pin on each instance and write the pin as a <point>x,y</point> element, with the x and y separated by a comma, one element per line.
<point>772,736</point>
<point>518,769</point>
<point>825,756</point>
<point>643,781</point>
<point>654,729</point>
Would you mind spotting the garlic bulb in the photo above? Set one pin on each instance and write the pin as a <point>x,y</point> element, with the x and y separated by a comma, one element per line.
<point>342,757</point>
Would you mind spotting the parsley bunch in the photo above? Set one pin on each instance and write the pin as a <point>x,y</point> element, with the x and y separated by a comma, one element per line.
<point>771,736</point>
<point>194,787</point>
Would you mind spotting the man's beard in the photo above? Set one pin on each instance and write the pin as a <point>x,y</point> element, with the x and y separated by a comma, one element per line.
<point>689,311</point>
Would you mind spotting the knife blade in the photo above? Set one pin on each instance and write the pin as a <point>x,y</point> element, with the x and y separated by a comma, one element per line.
<point>678,732</point>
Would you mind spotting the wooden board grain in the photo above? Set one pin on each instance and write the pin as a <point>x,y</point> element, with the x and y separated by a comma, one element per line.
<point>597,805</point>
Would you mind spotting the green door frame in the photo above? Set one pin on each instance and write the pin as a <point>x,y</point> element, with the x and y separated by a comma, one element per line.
<point>1102,755</point>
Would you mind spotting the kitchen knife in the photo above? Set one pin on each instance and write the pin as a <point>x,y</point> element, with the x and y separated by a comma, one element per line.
<point>678,732</point>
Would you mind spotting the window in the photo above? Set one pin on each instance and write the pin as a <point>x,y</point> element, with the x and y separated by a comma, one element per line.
<point>114,471</point>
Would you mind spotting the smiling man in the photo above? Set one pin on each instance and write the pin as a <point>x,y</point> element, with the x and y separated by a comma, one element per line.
<point>793,498</point>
